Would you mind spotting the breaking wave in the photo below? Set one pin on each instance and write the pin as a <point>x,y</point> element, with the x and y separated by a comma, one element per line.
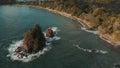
<point>30,57</point>
<point>91,50</point>
<point>90,31</point>
<point>105,39</point>
<point>15,44</point>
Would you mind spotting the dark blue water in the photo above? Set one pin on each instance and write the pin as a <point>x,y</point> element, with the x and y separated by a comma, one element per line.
<point>16,20</point>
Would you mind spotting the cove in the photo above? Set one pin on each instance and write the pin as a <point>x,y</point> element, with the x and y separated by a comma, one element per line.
<point>15,20</point>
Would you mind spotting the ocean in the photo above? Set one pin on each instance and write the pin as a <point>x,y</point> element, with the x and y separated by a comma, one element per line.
<point>71,48</point>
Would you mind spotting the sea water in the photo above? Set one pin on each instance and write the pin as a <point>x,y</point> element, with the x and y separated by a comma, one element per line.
<point>70,48</point>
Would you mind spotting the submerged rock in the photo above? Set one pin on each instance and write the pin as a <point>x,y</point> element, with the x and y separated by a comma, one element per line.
<point>34,40</point>
<point>49,32</point>
<point>117,66</point>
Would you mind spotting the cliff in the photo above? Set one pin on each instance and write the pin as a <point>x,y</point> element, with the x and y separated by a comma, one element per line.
<point>34,40</point>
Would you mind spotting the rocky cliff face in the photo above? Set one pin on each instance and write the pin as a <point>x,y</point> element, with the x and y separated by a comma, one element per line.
<point>34,40</point>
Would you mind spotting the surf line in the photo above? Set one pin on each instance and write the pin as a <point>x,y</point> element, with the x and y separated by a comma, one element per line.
<point>91,50</point>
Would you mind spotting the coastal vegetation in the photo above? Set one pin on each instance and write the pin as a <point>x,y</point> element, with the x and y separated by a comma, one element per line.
<point>2,2</point>
<point>100,15</point>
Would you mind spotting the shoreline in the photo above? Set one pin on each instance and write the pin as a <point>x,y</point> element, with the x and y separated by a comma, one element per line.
<point>82,22</point>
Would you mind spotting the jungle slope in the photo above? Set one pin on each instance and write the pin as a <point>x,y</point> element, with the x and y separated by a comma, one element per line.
<point>102,15</point>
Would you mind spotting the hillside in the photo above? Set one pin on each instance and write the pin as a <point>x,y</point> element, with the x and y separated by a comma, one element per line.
<point>100,15</point>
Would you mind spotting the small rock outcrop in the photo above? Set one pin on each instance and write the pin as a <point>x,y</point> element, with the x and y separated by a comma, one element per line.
<point>49,32</point>
<point>34,40</point>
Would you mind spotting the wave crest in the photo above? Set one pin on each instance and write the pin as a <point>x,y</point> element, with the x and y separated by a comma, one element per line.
<point>91,50</point>
<point>90,31</point>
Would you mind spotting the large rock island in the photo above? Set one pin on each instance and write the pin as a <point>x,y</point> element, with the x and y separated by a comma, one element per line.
<point>34,40</point>
<point>33,45</point>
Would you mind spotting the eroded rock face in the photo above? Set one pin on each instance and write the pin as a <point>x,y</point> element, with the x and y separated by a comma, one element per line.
<point>34,40</point>
<point>49,32</point>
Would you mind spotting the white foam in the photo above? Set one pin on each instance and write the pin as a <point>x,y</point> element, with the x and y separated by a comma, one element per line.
<point>16,44</point>
<point>90,31</point>
<point>91,50</point>
<point>53,38</point>
<point>55,30</point>
<point>106,40</point>
<point>30,57</point>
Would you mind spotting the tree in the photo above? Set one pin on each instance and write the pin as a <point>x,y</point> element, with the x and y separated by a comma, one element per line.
<point>7,2</point>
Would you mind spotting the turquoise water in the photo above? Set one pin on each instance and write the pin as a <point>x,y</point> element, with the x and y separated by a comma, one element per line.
<point>16,20</point>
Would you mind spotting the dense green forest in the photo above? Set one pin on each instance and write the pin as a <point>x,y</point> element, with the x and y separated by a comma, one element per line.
<point>7,2</point>
<point>102,15</point>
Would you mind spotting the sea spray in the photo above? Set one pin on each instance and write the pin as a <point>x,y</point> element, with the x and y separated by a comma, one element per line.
<point>91,50</point>
<point>30,57</point>
<point>15,44</point>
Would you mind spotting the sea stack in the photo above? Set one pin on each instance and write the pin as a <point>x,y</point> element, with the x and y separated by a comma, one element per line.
<point>34,40</point>
<point>49,32</point>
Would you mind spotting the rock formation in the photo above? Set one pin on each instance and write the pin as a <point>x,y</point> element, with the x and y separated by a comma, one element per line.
<point>49,32</point>
<point>34,40</point>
